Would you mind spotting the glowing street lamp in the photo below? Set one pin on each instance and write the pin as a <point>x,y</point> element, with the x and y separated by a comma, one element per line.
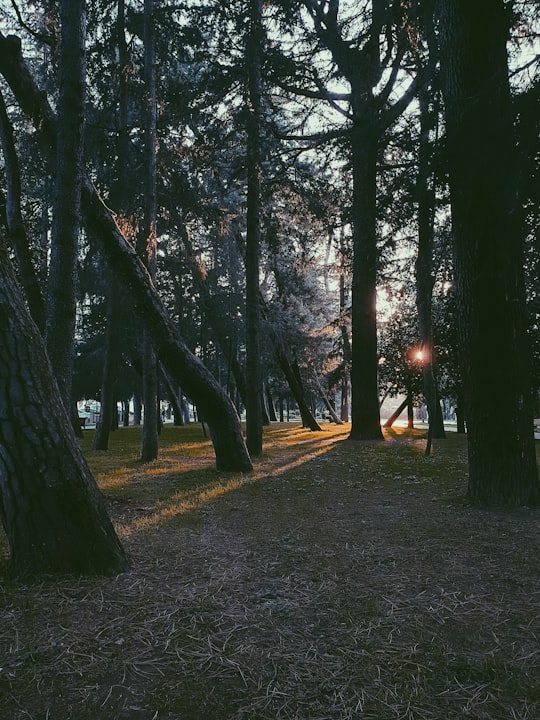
<point>417,356</point>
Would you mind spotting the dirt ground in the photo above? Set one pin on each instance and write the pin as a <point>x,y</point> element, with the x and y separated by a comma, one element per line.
<point>340,580</point>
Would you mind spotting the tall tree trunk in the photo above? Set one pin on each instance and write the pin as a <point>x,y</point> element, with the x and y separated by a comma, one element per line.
<point>53,514</point>
<point>344,399</point>
<point>270,403</point>
<point>424,261</point>
<point>488,253</point>
<point>366,423</point>
<point>110,356</point>
<point>363,65</point>
<point>149,449</point>
<point>460,416</point>
<point>410,410</point>
<point>119,195</point>
<point>61,300</point>
<point>137,409</point>
<point>14,221</point>
<point>125,413</point>
<point>254,386</point>
<point>308,417</point>
<point>347,353</point>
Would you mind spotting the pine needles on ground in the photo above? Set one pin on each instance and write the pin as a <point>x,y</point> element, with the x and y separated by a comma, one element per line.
<point>338,580</point>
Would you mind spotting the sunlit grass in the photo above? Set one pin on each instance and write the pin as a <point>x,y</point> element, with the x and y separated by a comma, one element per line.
<point>184,478</point>
<point>181,503</point>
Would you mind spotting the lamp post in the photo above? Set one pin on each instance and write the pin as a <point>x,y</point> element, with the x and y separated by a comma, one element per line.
<point>422,357</point>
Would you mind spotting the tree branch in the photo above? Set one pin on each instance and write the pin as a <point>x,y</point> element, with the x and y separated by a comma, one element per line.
<point>46,39</point>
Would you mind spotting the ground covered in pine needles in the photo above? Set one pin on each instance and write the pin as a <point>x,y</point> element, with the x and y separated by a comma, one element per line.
<point>339,580</point>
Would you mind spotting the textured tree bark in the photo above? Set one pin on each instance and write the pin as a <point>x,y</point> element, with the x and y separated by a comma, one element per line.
<point>460,417</point>
<point>347,353</point>
<point>488,254</point>
<point>137,409</point>
<point>53,514</point>
<point>264,411</point>
<point>186,369</point>
<point>14,221</point>
<point>125,413</point>
<point>344,399</point>
<point>410,411</point>
<point>61,289</point>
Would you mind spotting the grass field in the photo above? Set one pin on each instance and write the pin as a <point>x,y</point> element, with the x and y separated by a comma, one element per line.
<point>338,580</point>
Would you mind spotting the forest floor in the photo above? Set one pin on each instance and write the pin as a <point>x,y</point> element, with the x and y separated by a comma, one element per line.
<point>337,581</point>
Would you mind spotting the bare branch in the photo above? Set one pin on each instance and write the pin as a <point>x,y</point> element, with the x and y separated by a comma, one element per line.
<point>42,37</point>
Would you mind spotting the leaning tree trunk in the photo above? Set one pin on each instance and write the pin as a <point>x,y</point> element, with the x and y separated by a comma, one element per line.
<point>297,388</point>
<point>183,366</point>
<point>53,514</point>
<point>213,316</point>
<point>397,412</point>
<point>174,396</point>
<point>308,419</point>
<point>488,253</point>
<point>328,405</point>
<point>16,230</point>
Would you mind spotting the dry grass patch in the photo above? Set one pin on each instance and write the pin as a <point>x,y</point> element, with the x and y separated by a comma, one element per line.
<point>338,580</point>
